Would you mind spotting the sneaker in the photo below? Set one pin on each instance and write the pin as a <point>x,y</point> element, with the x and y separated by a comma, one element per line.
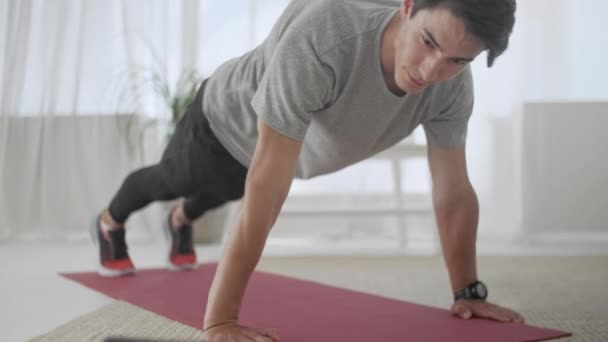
<point>114,259</point>
<point>180,254</point>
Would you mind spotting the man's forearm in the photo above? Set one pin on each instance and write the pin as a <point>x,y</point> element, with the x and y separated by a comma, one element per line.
<point>457,218</point>
<point>243,251</point>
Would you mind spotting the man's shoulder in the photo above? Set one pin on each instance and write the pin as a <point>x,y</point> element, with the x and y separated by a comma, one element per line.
<point>357,5</point>
<point>328,23</point>
<point>355,11</point>
<point>320,14</point>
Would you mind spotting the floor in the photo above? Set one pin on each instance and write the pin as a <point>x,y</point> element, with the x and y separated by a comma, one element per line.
<point>30,286</point>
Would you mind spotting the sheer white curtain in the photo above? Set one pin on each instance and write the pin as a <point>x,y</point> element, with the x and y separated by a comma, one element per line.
<point>65,88</point>
<point>67,84</point>
<point>70,59</point>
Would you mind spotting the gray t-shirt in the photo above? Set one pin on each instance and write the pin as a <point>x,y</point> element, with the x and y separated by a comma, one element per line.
<point>318,78</point>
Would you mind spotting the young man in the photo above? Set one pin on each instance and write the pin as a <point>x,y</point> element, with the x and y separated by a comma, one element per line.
<point>335,82</point>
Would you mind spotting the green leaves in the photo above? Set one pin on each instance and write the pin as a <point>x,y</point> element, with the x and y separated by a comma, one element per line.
<point>146,83</point>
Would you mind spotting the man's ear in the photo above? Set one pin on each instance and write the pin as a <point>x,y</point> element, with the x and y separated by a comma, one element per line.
<point>406,8</point>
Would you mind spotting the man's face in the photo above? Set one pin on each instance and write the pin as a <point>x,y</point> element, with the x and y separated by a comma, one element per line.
<point>431,47</point>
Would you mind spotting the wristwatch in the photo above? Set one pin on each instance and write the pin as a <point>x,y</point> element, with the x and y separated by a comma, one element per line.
<point>474,291</point>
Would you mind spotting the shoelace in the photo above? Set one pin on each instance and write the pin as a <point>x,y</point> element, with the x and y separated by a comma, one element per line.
<point>118,243</point>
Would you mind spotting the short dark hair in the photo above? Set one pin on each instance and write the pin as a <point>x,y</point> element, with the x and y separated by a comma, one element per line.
<point>491,21</point>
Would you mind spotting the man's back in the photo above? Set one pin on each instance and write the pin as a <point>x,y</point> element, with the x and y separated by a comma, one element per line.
<point>318,78</point>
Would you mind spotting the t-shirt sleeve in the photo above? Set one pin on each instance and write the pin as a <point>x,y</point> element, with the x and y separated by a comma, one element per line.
<point>449,127</point>
<point>296,84</point>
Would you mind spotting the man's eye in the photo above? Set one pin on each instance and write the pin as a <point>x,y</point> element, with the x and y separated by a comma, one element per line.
<point>427,42</point>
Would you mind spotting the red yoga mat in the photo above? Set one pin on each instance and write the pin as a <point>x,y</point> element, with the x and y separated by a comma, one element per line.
<point>304,311</point>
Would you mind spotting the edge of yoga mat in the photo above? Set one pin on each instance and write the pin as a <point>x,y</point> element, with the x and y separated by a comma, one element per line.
<point>147,287</point>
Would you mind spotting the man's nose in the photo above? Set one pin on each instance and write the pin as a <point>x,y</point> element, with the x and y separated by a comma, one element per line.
<point>429,70</point>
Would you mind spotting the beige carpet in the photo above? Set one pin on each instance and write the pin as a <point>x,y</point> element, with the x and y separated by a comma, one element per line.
<point>567,293</point>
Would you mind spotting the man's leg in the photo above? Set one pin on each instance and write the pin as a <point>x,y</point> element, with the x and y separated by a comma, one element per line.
<point>178,174</point>
<point>166,180</point>
<point>154,183</point>
<point>178,230</point>
<point>139,189</point>
<point>191,208</point>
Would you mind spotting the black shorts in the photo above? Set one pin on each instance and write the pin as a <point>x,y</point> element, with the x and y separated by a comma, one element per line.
<point>196,162</point>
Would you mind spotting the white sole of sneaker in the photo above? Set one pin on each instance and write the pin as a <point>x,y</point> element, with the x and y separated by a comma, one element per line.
<point>172,267</point>
<point>101,270</point>
<point>168,244</point>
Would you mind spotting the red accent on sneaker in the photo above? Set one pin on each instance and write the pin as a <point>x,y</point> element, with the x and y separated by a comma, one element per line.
<point>119,265</point>
<point>183,259</point>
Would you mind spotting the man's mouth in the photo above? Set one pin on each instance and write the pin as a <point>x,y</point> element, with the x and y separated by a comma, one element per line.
<point>415,80</point>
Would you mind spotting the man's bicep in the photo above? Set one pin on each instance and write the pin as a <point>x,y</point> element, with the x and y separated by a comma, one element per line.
<point>274,159</point>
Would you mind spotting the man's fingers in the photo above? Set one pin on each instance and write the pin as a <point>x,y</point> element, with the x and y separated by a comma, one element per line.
<point>259,338</point>
<point>264,335</point>
<point>496,313</point>
<point>511,315</point>
<point>468,309</point>
<point>515,317</point>
<point>462,311</point>
<point>256,336</point>
<point>239,333</point>
<point>272,334</point>
<point>500,316</point>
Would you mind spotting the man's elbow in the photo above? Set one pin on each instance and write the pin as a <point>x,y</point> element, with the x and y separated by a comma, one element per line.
<point>272,189</point>
<point>266,194</point>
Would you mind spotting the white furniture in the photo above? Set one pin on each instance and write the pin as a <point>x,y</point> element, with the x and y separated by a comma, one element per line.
<point>404,150</point>
<point>565,169</point>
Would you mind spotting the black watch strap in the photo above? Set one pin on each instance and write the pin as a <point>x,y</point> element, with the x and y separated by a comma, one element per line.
<point>474,291</point>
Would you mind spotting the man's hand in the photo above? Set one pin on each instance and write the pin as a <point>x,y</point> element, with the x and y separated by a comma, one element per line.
<point>239,333</point>
<point>466,309</point>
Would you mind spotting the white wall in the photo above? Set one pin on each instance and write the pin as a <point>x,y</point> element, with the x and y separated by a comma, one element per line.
<point>557,54</point>
<point>565,168</point>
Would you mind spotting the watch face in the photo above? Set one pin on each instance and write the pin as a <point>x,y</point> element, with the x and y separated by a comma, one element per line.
<point>481,290</point>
